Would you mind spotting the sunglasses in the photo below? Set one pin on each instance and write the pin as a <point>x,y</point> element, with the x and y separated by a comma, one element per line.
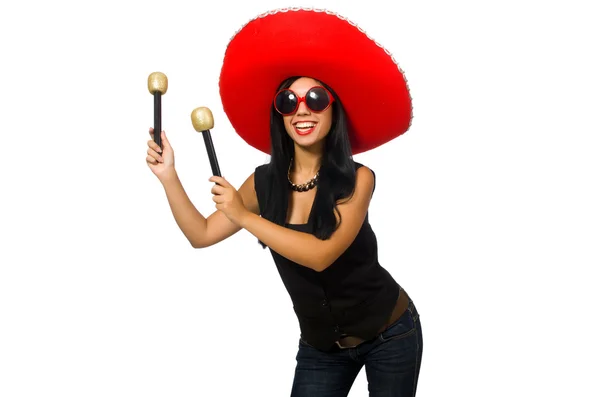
<point>317,99</point>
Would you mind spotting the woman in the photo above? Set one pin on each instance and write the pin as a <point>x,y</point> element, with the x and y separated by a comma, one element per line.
<point>310,203</point>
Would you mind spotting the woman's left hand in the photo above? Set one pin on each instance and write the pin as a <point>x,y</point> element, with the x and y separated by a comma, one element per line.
<point>228,200</point>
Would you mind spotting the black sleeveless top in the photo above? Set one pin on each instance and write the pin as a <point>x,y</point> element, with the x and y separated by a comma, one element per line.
<point>354,296</point>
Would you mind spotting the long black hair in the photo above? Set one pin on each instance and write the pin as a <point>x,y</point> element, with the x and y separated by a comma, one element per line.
<point>337,176</point>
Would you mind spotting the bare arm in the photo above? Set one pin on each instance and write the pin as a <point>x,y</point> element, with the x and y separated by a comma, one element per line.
<point>199,231</point>
<point>203,232</point>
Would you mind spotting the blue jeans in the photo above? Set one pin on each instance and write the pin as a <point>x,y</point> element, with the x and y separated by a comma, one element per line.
<point>392,362</point>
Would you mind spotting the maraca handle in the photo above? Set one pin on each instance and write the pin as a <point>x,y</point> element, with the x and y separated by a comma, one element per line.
<point>157,118</point>
<point>212,155</point>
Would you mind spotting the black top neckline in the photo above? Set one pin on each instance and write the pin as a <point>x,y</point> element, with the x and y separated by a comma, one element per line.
<point>310,214</point>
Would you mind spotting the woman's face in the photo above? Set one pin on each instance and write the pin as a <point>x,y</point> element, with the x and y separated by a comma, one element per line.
<point>307,127</point>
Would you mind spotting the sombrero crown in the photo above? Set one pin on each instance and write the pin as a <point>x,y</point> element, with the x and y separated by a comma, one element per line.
<point>327,47</point>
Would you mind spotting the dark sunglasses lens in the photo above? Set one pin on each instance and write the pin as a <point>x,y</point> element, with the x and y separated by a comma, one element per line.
<point>317,99</point>
<point>286,101</point>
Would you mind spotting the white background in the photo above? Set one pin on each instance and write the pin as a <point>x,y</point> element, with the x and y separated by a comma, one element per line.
<point>486,210</point>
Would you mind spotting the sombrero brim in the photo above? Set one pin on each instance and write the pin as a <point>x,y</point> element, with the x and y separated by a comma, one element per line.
<point>326,47</point>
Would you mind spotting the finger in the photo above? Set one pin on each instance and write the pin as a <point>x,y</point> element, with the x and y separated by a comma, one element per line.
<point>218,199</point>
<point>221,181</point>
<point>155,155</point>
<point>165,141</point>
<point>154,146</point>
<point>151,160</point>
<point>217,189</point>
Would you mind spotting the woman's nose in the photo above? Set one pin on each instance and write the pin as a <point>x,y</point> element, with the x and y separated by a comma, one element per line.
<point>302,108</point>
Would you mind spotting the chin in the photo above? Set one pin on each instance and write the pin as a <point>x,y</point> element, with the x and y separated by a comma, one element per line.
<point>307,141</point>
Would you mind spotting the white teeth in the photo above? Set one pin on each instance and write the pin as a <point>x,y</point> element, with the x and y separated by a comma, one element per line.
<point>305,125</point>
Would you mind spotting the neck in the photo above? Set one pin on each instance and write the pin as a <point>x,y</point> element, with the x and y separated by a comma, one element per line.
<point>306,162</point>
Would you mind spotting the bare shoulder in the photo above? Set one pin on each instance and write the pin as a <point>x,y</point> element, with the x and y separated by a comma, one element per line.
<point>365,173</point>
<point>365,181</point>
<point>248,194</point>
<point>363,187</point>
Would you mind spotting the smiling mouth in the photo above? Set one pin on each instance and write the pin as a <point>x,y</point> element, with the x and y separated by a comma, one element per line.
<point>305,127</point>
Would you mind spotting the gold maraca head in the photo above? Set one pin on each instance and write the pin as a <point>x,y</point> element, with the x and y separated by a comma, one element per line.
<point>202,119</point>
<point>157,81</point>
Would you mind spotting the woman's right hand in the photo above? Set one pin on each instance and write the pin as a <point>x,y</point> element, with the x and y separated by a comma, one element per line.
<point>161,164</point>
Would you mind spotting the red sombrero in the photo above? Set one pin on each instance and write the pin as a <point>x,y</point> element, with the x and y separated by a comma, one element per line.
<point>327,47</point>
